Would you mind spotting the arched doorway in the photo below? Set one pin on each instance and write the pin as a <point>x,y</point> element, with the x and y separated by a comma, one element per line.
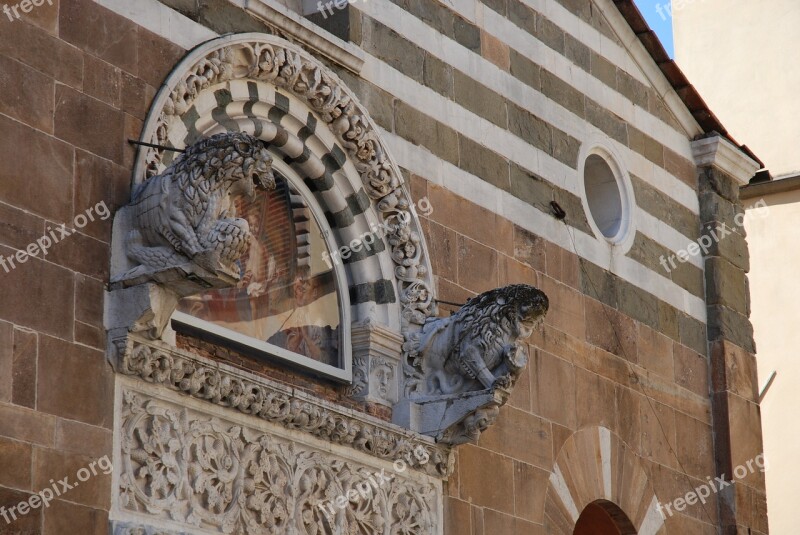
<point>603,518</point>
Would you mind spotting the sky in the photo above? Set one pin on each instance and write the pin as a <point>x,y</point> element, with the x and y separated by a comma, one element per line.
<point>661,22</point>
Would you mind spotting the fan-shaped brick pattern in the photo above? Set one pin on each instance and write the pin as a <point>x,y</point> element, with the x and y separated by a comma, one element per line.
<point>595,465</point>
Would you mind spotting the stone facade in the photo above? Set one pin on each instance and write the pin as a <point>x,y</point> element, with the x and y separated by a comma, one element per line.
<point>487,110</point>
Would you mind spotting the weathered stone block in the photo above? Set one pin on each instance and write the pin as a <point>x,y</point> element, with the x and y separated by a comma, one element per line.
<point>691,370</point>
<point>578,53</point>
<point>113,37</point>
<point>523,16</point>
<point>566,148</point>
<point>530,188</point>
<point>604,70</point>
<point>89,124</point>
<point>632,89</point>
<point>726,323</point>
<point>477,265</point>
<point>467,34</point>
<point>484,163</point>
<point>712,179</point>
<point>42,51</point>
<point>37,281</point>
<point>646,146</point>
<point>393,48</point>
<point>694,446</point>
<point>595,399</point>
<point>438,75</point>
<point>530,128</point>
<point>479,99</point>
<point>102,80</point>
<point>733,369</point>
<point>15,458</point>
<point>693,333</point>
<point>550,34</point>
<point>25,368</point>
<point>74,382</point>
<point>726,285</point>
<point>562,93</point>
<point>524,69</point>
<point>27,94</point>
<point>553,389</point>
<point>41,185</point>
<point>607,121</point>
<point>598,283</point>
<point>65,517</point>
<point>421,129</point>
<point>529,248</point>
<point>476,467</point>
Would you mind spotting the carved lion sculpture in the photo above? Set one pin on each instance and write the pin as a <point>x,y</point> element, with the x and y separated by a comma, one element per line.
<point>477,347</point>
<point>186,214</point>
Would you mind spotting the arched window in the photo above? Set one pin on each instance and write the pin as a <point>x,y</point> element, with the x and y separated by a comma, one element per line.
<point>603,518</point>
<point>288,304</point>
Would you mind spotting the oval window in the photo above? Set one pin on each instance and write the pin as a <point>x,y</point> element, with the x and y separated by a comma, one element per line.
<point>604,197</point>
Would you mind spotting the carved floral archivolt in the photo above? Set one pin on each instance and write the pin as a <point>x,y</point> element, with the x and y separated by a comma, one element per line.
<point>276,62</point>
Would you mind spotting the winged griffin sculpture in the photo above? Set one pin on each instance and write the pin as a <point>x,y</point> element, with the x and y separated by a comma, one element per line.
<point>186,215</point>
<point>466,365</point>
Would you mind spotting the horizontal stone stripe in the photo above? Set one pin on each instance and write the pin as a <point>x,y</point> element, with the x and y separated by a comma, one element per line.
<point>473,96</point>
<point>665,209</point>
<point>477,160</point>
<point>453,117</point>
<point>514,90</point>
<point>588,59</point>
<point>423,163</point>
<point>380,292</point>
<point>657,257</point>
<point>426,37</point>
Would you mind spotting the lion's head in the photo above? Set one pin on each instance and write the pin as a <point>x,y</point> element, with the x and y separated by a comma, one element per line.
<point>509,312</point>
<point>234,160</point>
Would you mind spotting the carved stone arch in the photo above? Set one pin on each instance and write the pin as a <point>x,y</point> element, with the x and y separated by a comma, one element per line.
<point>595,466</point>
<point>265,86</point>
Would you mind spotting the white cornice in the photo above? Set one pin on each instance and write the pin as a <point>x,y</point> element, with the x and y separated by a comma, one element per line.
<point>720,153</point>
<point>345,54</point>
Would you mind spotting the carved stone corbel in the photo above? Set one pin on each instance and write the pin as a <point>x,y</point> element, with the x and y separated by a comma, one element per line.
<point>460,370</point>
<point>179,235</point>
<point>377,369</point>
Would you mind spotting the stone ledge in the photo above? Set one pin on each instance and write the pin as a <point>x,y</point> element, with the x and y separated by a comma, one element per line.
<point>718,152</point>
<point>315,38</point>
<point>158,363</point>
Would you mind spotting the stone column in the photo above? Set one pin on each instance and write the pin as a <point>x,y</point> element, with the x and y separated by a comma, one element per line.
<point>734,384</point>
